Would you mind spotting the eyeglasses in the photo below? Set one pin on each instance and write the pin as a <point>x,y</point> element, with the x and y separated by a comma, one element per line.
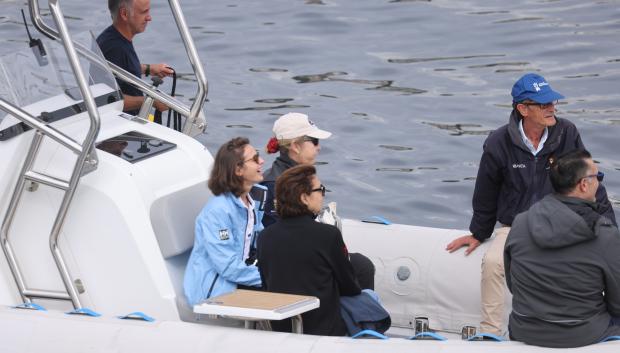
<point>541,105</point>
<point>599,176</point>
<point>255,158</point>
<point>321,188</point>
<point>314,140</point>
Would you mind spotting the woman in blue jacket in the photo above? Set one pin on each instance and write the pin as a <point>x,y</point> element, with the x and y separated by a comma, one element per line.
<point>223,256</point>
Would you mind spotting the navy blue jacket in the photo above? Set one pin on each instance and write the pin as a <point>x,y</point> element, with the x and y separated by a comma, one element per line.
<point>510,179</point>
<point>279,166</point>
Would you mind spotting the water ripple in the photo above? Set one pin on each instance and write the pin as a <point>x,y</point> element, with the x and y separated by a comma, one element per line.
<point>396,148</point>
<point>380,85</point>
<point>442,58</point>
<point>281,106</point>
<point>267,69</point>
<point>514,63</point>
<point>520,19</point>
<point>460,129</point>
<point>402,170</point>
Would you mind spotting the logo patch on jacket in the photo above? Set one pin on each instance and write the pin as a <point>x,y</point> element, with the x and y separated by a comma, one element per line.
<point>518,166</point>
<point>224,234</point>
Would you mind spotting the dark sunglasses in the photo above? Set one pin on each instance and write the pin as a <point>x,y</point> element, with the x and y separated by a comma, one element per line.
<point>255,158</point>
<point>321,188</point>
<point>541,105</point>
<point>314,140</point>
<point>599,176</point>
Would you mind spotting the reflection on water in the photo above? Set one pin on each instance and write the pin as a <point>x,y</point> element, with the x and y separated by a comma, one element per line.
<point>410,89</point>
<point>460,129</point>
<point>421,60</point>
<point>281,106</point>
<point>521,19</point>
<point>396,148</point>
<point>381,85</point>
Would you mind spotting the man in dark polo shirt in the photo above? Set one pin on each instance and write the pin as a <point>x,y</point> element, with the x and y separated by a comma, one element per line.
<point>130,17</point>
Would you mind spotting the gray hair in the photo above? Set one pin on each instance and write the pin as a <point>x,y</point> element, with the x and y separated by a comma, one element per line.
<point>115,5</point>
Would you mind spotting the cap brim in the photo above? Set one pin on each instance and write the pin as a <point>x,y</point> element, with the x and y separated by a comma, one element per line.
<point>319,134</point>
<point>547,97</point>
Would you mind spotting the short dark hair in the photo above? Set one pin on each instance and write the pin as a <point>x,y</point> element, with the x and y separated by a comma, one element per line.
<point>115,5</point>
<point>568,170</point>
<point>293,183</point>
<point>223,175</point>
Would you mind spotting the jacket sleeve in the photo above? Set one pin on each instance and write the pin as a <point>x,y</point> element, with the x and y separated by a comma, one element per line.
<point>218,234</point>
<point>612,273</point>
<point>508,257</point>
<point>343,270</point>
<point>486,192</point>
<point>605,207</point>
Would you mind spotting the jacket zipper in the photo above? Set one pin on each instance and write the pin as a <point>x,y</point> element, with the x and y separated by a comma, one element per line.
<point>212,284</point>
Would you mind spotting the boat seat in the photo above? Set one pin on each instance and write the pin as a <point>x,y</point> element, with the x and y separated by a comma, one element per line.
<point>173,217</point>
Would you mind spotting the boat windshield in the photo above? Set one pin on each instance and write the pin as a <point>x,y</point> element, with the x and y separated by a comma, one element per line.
<point>26,79</point>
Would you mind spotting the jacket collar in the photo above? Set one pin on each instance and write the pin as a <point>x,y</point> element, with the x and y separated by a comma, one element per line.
<point>554,136</point>
<point>282,163</point>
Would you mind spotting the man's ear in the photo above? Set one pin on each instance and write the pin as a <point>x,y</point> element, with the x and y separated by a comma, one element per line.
<point>522,108</point>
<point>123,13</point>
<point>583,185</point>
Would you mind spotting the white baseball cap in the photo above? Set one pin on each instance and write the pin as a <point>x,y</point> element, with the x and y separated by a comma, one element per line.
<point>294,125</point>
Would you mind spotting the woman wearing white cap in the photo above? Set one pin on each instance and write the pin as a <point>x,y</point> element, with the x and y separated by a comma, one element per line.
<point>297,139</point>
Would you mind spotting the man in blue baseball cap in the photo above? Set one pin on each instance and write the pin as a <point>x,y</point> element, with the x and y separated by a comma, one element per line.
<point>514,174</point>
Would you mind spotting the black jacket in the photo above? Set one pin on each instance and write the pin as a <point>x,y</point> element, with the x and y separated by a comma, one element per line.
<point>510,179</point>
<point>279,166</point>
<point>300,256</point>
<point>563,269</point>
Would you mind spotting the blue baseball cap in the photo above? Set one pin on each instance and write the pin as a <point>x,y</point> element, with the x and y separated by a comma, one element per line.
<point>534,87</point>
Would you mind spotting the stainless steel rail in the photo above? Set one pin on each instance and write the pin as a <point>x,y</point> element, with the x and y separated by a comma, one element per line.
<point>85,155</point>
<point>192,113</point>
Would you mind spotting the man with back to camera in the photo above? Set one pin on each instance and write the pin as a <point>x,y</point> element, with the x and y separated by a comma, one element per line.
<point>130,17</point>
<point>562,263</point>
<point>514,174</point>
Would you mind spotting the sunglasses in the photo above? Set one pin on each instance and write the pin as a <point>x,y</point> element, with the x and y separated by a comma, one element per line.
<point>541,105</point>
<point>314,140</point>
<point>255,158</point>
<point>321,188</point>
<point>599,176</point>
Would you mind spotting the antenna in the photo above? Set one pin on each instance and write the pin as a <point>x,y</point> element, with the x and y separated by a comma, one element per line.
<point>26,24</point>
<point>36,45</point>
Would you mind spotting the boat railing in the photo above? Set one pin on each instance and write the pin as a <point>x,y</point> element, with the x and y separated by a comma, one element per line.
<point>86,160</point>
<point>195,121</point>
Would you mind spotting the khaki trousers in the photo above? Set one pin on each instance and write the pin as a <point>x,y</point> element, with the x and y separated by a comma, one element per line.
<point>493,284</point>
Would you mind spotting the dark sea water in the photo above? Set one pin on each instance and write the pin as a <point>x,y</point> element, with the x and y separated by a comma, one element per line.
<point>409,88</point>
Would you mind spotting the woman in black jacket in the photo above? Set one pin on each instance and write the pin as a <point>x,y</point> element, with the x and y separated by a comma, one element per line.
<point>298,255</point>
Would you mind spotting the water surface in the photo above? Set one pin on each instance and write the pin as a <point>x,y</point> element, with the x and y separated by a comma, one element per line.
<point>410,89</point>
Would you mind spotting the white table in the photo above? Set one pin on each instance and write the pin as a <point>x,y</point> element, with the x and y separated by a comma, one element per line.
<point>250,306</point>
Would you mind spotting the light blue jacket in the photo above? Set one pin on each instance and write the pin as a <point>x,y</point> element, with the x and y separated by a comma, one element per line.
<point>216,263</point>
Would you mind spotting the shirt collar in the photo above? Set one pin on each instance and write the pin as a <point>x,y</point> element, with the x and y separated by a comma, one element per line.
<point>529,143</point>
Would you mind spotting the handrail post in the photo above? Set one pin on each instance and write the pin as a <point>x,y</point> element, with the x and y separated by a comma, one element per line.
<point>194,60</point>
<point>86,156</point>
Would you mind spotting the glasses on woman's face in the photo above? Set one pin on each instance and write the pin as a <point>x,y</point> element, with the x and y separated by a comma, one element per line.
<point>599,176</point>
<point>255,158</point>
<point>321,188</point>
<point>314,140</point>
